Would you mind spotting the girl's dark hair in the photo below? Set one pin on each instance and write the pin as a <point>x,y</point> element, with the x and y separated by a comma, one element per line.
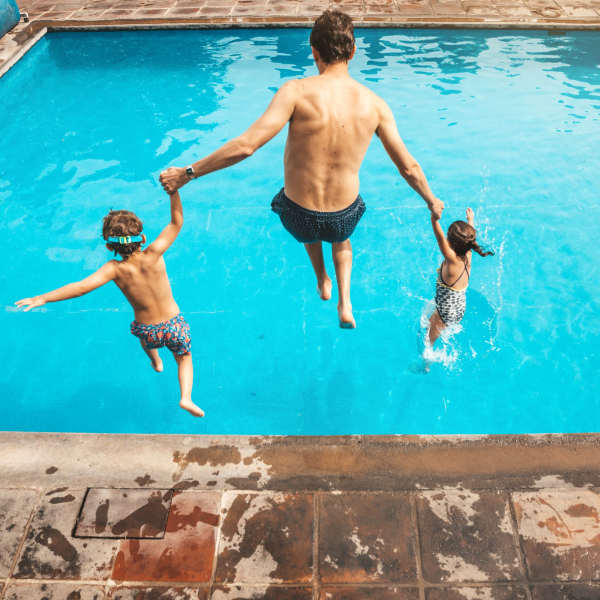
<point>332,36</point>
<point>462,238</point>
<point>122,222</point>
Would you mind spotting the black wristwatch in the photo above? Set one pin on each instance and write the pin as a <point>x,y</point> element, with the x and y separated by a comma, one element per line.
<point>189,171</point>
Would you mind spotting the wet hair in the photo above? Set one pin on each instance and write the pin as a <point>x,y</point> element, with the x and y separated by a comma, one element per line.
<point>122,222</point>
<point>333,36</point>
<point>462,238</point>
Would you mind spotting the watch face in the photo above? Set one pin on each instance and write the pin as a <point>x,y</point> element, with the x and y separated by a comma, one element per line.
<point>189,171</point>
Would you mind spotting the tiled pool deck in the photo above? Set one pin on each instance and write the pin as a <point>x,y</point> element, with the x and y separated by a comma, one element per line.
<point>60,14</point>
<point>348,518</point>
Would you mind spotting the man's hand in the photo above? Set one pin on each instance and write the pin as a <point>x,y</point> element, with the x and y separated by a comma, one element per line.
<point>470,216</point>
<point>436,207</point>
<point>173,178</point>
<point>29,303</point>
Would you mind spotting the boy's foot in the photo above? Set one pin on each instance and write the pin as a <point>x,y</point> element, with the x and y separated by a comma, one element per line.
<point>157,363</point>
<point>346,318</point>
<point>187,404</point>
<point>324,289</point>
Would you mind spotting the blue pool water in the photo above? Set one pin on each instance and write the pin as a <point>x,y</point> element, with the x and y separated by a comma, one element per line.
<point>506,122</point>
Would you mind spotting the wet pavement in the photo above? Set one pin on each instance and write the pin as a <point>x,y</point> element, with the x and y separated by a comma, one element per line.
<point>205,517</point>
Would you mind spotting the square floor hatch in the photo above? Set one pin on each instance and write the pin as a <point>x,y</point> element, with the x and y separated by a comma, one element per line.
<point>123,513</point>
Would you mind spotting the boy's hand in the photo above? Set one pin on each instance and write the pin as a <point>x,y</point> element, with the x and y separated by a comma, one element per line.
<point>29,303</point>
<point>470,216</point>
<point>436,207</point>
<point>173,178</point>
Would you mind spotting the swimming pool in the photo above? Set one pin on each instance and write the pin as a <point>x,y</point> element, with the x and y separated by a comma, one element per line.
<point>506,122</point>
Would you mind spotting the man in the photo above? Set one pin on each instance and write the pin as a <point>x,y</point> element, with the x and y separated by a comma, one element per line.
<point>332,119</point>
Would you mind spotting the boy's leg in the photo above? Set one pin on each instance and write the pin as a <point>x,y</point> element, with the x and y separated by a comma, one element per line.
<point>186,379</point>
<point>436,326</point>
<point>154,357</point>
<point>315,253</point>
<point>342,260</point>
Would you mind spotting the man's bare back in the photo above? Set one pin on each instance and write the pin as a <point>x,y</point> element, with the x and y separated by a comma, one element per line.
<point>330,130</point>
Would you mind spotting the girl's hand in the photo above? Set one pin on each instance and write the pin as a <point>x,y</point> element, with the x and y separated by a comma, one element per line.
<point>29,303</point>
<point>470,216</point>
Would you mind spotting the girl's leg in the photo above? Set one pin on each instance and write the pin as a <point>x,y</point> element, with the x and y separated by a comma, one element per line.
<point>436,326</point>
<point>315,253</point>
<point>342,260</point>
<point>186,378</point>
<point>154,357</point>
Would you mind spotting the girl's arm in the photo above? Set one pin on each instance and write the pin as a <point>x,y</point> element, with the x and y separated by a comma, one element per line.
<point>171,231</point>
<point>103,275</point>
<point>445,249</point>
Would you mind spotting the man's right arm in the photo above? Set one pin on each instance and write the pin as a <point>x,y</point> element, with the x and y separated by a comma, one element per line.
<point>408,167</point>
<point>273,120</point>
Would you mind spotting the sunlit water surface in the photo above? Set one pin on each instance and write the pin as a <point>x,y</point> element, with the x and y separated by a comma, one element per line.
<point>506,122</point>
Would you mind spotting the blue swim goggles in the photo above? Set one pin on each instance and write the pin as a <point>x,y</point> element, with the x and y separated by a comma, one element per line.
<point>124,239</point>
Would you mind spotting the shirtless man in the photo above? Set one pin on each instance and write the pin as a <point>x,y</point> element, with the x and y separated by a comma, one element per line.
<point>332,119</point>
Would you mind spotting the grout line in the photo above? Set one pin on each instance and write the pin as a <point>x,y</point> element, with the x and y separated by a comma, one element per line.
<point>316,537</point>
<point>418,556</point>
<point>217,542</point>
<point>517,541</point>
<point>32,513</point>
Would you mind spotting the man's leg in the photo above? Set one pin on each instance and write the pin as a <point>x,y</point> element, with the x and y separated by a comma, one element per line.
<point>342,260</point>
<point>154,357</point>
<point>186,378</point>
<point>315,253</point>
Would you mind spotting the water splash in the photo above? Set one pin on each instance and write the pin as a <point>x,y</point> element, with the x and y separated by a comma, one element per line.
<point>444,351</point>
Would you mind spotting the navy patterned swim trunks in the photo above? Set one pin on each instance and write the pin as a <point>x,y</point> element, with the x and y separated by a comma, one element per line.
<point>309,226</point>
<point>174,334</point>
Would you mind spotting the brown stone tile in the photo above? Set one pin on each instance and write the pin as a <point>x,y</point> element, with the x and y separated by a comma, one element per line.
<point>238,592</point>
<point>566,592</point>
<point>447,8</point>
<point>467,536</point>
<point>56,15</point>
<point>50,551</point>
<point>185,553</point>
<point>15,510</point>
<point>53,591</point>
<point>413,8</point>
<point>581,11</point>
<point>365,593</point>
<point>366,538</point>
<point>550,12</point>
<point>130,513</point>
<point>266,538</point>
<point>214,11</point>
<point>151,12</point>
<point>158,593</point>
<point>477,593</point>
<point>560,533</point>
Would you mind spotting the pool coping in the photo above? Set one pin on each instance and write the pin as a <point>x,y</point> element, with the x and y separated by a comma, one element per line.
<point>26,35</point>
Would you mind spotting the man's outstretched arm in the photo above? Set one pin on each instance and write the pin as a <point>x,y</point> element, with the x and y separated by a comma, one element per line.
<point>273,120</point>
<point>408,167</point>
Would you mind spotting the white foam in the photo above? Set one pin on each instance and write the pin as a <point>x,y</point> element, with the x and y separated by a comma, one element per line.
<point>444,351</point>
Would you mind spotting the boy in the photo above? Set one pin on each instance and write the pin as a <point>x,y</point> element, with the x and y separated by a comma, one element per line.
<point>142,277</point>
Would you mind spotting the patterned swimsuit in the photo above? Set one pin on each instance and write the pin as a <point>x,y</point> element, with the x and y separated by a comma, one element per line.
<point>174,334</point>
<point>450,303</point>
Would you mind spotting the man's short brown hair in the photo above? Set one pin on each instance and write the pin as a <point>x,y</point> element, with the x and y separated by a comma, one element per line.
<point>333,36</point>
<point>120,223</point>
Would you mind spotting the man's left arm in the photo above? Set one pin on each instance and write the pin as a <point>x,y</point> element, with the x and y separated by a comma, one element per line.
<point>273,120</point>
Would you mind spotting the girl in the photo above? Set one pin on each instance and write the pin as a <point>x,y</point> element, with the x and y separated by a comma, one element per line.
<point>454,272</point>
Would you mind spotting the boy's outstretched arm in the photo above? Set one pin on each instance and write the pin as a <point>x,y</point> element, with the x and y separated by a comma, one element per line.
<point>103,275</point>
<point>171,231</point>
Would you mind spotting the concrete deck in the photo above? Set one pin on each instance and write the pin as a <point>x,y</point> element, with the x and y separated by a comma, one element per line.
<point>97,14</point>
<point>392,518</point>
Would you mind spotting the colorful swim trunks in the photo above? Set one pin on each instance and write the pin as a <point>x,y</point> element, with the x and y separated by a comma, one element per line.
<point>174,334</point>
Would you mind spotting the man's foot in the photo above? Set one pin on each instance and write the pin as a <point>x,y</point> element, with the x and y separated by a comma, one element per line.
<point>346,317</point>
<point>157,363</point>
<point>187,404</point>
<point>324,289</point>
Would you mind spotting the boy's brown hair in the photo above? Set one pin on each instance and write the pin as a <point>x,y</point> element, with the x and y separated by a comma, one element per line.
<point>118,223</point>
<point>333,36</point>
